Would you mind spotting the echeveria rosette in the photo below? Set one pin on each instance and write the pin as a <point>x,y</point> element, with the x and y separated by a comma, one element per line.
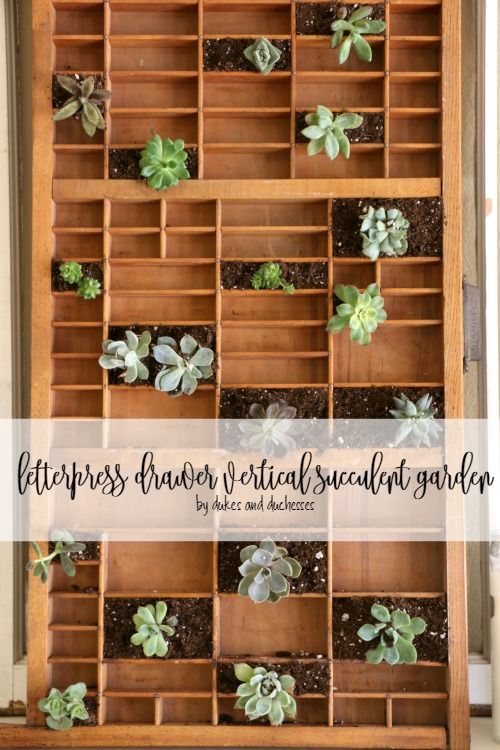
<point>416,420</point>
<point>263,55</point>
<point>270,276</point>
<point>89,288</point>
<point>163,162</point>
<point>270,431</point>
<point>396,631</point>
<point>71,271</point>
<point>326,132</point>
<point>362,312</point>
<point>348,34</point>
<point>264,694</point>
<point>151,626</point>
<point>127,355</point>
<point>64,707</point>
<point>84,97</point>
<point>384,232</point>
<point>265,570</point>
<point>64,546</point>
<point>184,369</point>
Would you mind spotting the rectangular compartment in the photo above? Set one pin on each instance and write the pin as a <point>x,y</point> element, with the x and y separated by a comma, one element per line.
<point>70,307</point>
<point>191,245</point>
<point>163,277</point>
<point>277,306</point>
<point>79,55</point>
<point>366,162</point>
<point>76,404</point>
<point>187,710</point>
<point>153,54</point>
<point>405,92</point>
<point>154,91</point>
<point>357,274</point>
<point>279,339</point>
<point>263,91</point>
<point>309,711</point>
<point>84,214</point>
<point>75,611</point>
<point>76,372</point>
<point>274,213</point>
<point>428,712</point>
<point>317,55</point>
<point>140,245</point>
<point>81,19</point>
<point>415,164</point>
<point>77,645</point>
<point>415,20</point>
<point>340,92</point>
<point>129,214</point>
<point>88,165</point>
<point>165,309</point>
<point>171,18</point>
<point>249,165</point>
<point>418,128</point>
<point>70,131</point>
<point>358,676</point>
<point>135,128</point>
<point>190,213</point>
<point>130,710</point>
<point>260,19</point>
<point>74,340</point>
<point>251,128</point>
<point>152,404</point>
<point>86,576</point>
<point>67,246</point>
<point>398,273</point>
<point>414,307</point>
<point>158,675</point>
<point>62,675</point>
<point>415,56</point>
<point>262,371</point>
<point>359,711</point>
<point>286,245</point>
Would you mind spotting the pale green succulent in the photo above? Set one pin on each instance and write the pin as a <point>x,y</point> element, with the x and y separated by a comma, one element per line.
<point>88,288</point>
<point>151,626</point>
<point>84,97</point>
<point>64,707</point>
<point>263,55</point>
<point>183,368</point>
<point>270,431</point>
<point>71,272</point>
<point>362,312</point>
<point>64,545</point>
<point>396,631</point>
<point>265,569</point>
<point>270,276</point>
<point>384,232</point>
<point>264,694</point>
<point>416,420</point>
<point>127,355</point>
<point>355,27</point>
<point>326,132</point>
<point>163,162</point>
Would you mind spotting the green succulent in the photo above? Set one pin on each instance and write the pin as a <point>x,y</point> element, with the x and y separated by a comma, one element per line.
<point>183,368</point>
<point>265,694</point>
<point>64,546</point>
<point>270,431</point>
<point>354,28</point>
<point>84,97</point>
<point>270,276</point>
<point>263,55</point>
<point>265,569</point>
<point>396,631</point>
<point>88,288</point>
<point>163,162</point>
<point>127,355</point>
<point>384,232</point>
<point>363,312</point>
<point>416,420</point>
<point>326,132</point>
<point>63,708</point>
<point>150,626</point>
<point>71,272</point>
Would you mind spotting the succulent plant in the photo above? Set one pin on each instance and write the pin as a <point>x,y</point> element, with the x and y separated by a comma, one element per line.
<point>127,356</point>
<point>71,272</point>
<point>150,625</point>
<point>265,694</point>
<point>85,98</point>
<point>326,132</point>
<point>64,545</point>
<point>183,368</point>
<point>265,569</point>
<point>384,232</point>
<point>64,707</point>
<point>88,288</point>
<point>270,276</point>
<point>270,431</point>
<point>416,420</point>
<point>263,55</point>
<point>396,631</point>
<point>163,162</point>
<point>363,312</point>
<point>354,28</point>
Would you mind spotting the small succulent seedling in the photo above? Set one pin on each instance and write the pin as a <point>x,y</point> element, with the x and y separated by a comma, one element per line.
<point>384,232</point>
<point>396,631</point>
<point>127,355</point>
<point>183,368</point>
<point>163,162</point>
<point>150,625</point>
<point>265,569</point>
<point>64,545</point>
<point>326,132</point>
<point>354,28</point>
<point>263,55</point>
<point>270,276</point>
<point>416,420</point>
<point>63,708</point>
<point>88,288</point>
<point>85,98</point>
<point>71,272</point>
<point>270,431</point>
<point>265,694</point>
<point>363,312</point>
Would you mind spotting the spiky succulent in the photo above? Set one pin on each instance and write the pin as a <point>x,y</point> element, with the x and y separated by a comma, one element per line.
<point>384,232</point>
<point>127,355</point>
<point>270,276</point>
<point>85,98</point>
<point>265,569</point>
<point>263,55</point>
<point>265,694</point>
<point>88,288</point>
<point>354,28</point>
<point>185,365</point>
<point>326,132</point>
<point>71,272</point>
<point>270,431</point>
<point>163,162</point>
<point>396,631</point>
<point>63,545</point>
<point>363,312</point>
<point>64,707</point>
<point>151,626</point>
<point>416,420</point>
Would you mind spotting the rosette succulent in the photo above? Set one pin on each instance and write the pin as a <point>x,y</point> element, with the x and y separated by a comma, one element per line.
<point>384,232</point>
<point>362,312</point>
<point>151,628</point>
<point>185,365</point>
<point>263,55</point>
<point>270,431</point>
<point>85,98</point>
<point>265,694</point>
<point>63,545</point>
<point>326,132</point>
<point>127,355</point>
<point>270,276</point>
<point>163,162</point>
<point>265,569</point>
<point>416,420</point>
<point>71,272</point>
<point>88,288</point>
<point>396,631</point>
<point>64,707</point>
<point>348,33</point>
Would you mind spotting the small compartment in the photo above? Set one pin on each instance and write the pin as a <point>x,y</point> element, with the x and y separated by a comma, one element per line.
<point>279,339</point>
<point>286,245</point>
<point>356,676</point>
<point>73,611</point>
<point>154,54</point>
<point>163,277</point>
<point>128,214</point>
<point>248,165</point>
<point>415,20</point>
<point>69,307</point>
<point>410,275</point>
<point>62,675</point>
<point>87,165</point>
<point>136,128</point>
<point>273,306</point>
<point>75,340</point>
<point>170,19</point>
<point>136,710</point>
<point>266,19</point>
<point>315,55</point>
<point>83,19</point>
<point>70,131</point>
<point>81,645</point>
<point>77,404</point>
<point>67,246</point>
<point>415,164</point>
<point>141,245</point>
<point>354,274</point>
<point>415,129</point>
<point>85,580</point>
<point>309,711</point>
<point>408,92</point>
<point>359,710</point>
<point>274,213</point>
<point>187,710</point>
<point>251,128</point>
<point>416,56</point>
<point>81,215</point>
<point>260,370</point>
<point>365,162</point>
<point>191,245</point>
<point>340,92</point>
<point>152,404</point>
<point>158,675</point>
<point>192,214</point>
<point>414,306</point>
<point>171,309</point>
<point>76,372</point>
<point>430,712</point>
<point>78,55</point>
<point>261,91</point>
<point>153,91</point>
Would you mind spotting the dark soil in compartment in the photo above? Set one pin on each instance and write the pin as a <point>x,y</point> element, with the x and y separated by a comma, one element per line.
<point>374,403</point>
<point>302,275</point>
<point>313,556</point>
<point>309,677</point>
<point>91,706</point>
<point>89,270</point>
<point>350,614</point>
<point>204,335</point>
<point>91,552</point>
<point>425,235</point>
<point>311,403</point>
<point>228,54</point>
<point>60,96</point>
<point>124,163</point>
<point>371,129</point>
<point>317,18</point>
<point>193,633</point>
